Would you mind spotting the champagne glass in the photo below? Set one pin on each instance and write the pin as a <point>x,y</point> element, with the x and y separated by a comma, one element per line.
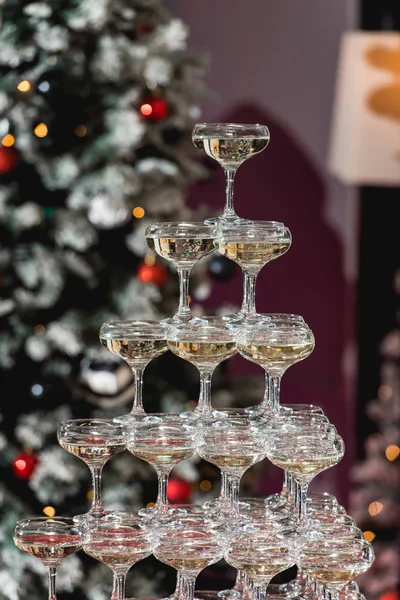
<point>137,343</point>
<point>275,345</point>
<point>183,244</point>
<point>252,247</point>
<point>261,553</point>
<point>189,548</point>
<point>335,562</point>
<point>230,144</point>
<point>204,343</point>
<point>94,441</point>
<point>305,454</point>
<point>49,539</point>
<point>119,544</point>
<point>163,440</point>
<point>233,444</point>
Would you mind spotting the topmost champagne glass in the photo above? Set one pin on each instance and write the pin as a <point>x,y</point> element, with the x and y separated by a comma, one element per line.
<point>230,144</point>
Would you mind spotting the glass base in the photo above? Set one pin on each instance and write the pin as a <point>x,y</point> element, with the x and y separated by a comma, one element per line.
<point>89,517</point>
<point>129,418</point>
<point>179,320</point>
<point>233,220</point>
<point>229,594</point>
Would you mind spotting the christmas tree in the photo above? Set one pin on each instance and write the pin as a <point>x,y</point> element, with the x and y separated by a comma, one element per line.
<point>375,499</point>
<point>97,100</point>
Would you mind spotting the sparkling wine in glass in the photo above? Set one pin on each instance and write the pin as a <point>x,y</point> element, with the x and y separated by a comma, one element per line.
<point>190,549</point>
<point>204,343</point>
<point>252,246</point>
<point>230,144</point>
<point>94,441</point>
<point>137,343</point>
<point>49,539</point>
<point>119,544</point>
<point>183,244</point>
<point>163,440</point>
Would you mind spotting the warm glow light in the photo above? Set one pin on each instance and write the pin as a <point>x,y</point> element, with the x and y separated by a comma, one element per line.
<point>375,508</point>
<point>39,329</point>
<point>80,131</point>
<point>385,392</point>
<point>138,212</point>
<point>24,86</point>
<point>189,298</point>
<point>146,110</point>
<point>205,485</point>
<point>49,511</point>
<point>20,464</point>
<point>392,452</point>
<point>8,140</point>
<point>89,495</point>
<point>150,505</point>
<point>41,130</point>
<point>369,536</point>
<point>150,260</point>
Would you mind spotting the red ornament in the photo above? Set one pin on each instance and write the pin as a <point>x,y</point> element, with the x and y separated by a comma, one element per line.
<point>155,109</point>
<point>8,159</point>
<point>394,595</point>
<point>156,273</point>
<point>179,491</point>
<point>24,465</point>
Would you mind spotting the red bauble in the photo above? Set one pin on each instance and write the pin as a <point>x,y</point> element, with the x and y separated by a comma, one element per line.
<point>155,109</point>
<point>156,273</point>
<point>8,159</point>
<point>24,465</point>
<point>179,491</point>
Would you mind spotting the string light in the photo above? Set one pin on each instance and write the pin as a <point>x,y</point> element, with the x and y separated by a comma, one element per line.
<point>392,452</point>
<point>205,485</point>
<point>8,140</point>
<point>375,508</point>
<point>37,390</point>
<point>150,505</point>
<point>80,131</point>
<point>146,110</point>
<point>385,392</point>
<point>89,495</point>
<point>24,86</point>
<point>39,329</point>
<point>41,130</point>
<point>138,212</point>
<point>369,536</point>
<point>49,511</point>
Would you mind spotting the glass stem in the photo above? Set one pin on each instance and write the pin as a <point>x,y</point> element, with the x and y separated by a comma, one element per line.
<point>266,403</point>
<point>121,580</point>
<point>52,572</point>
<point>229,180</point>
<point>249,293</point>
<point>187,586</point>
<point>331,594</point>
<point>285,485</point>
<point>184,309</point>
<point>204,405</point>
<point>274,391</point>
<point>178,587</point>
<point>259,590</point>
<point>234,485</point>
<point>302,488</point>
<point>115,586</point>
<point>240,581</point>
<point>162,500</point>
<point>137,390</point>
<point>97,504</point>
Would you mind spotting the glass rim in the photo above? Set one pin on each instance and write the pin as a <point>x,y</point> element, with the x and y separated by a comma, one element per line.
<point>133,329</point>
<point>239,127</point>
<point>180,229</point>
<point>83,425</point>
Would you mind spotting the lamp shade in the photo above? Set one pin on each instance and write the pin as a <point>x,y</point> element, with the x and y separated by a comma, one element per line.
<point>365,138</point>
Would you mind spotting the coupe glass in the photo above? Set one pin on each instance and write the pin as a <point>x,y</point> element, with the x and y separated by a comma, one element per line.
<point>261,553</point>
<point>233,444</point>
<point>304,455</point>
<point>189,549</point>
<point>230,144</point>
<point>252,247</point>
<point>49,539</point>
<point>204,343</point>
<point>137,342</point>
<point>94,441</point>
<point>119,544</point>
<point>183,244</point>
<point>275,345</point>
<point>163,440</point>
<point>335,562</point>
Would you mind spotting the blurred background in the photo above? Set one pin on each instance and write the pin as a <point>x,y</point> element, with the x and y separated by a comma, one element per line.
<point>97,104</point>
